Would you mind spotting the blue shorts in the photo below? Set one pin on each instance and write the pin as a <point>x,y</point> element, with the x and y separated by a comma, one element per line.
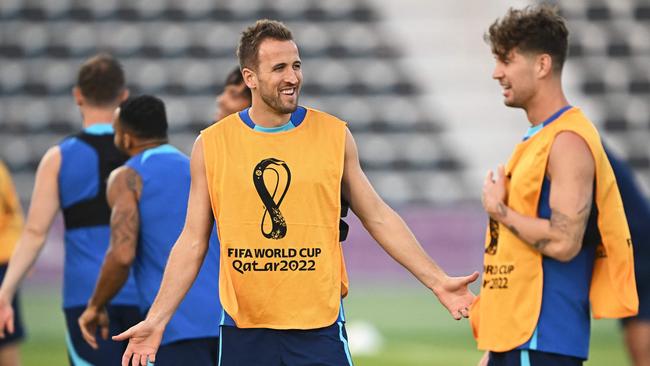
<point>199,351</point>
<point>270,347</point>
<point>531,358</point>
<point>109,353</point>
<point>19,331</point>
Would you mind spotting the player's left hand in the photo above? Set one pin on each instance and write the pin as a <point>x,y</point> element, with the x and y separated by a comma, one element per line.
<point>88,323</point>
<point>494,193</point>
<point>455,295</point>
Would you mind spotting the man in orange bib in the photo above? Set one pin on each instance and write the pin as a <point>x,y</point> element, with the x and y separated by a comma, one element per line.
<point>272,176</point>
<point>558,240</point>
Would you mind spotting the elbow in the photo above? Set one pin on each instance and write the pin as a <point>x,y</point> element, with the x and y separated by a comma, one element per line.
<point>563,252</point>
<point>123,258</point>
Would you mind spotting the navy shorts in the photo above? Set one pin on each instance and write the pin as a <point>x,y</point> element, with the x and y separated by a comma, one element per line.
<point>199,352</point>
<point>532,358</point>
<point>19,331</point>
<point>270,347</point>
<point>109,353</point>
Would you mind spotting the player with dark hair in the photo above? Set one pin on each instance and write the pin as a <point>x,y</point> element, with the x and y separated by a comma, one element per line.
<point>558,245</point>
<point>235,95</point>
<point>11,224</point>
<point>148,197</point>
<point>273,176</point>
<point>71,177</point>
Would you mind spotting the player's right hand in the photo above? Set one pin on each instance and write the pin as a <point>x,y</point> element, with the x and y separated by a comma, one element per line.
<point>89,321</point>
<point>6,316</point>
<point>144,339</point>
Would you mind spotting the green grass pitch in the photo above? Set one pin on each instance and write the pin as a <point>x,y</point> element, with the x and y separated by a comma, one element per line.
<point>416,330</point>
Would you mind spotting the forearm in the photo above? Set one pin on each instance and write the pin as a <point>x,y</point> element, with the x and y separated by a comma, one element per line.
<point>183,266</point>
<point>550,240</point>
<point>27,250</point>
<point>112,277</point>
<point>394,236</point>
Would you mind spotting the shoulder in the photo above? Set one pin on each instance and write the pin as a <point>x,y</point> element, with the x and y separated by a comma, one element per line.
<point>52,156</point>
<point>222,123</point>
<point>124,177</point>
<point>323,116</point>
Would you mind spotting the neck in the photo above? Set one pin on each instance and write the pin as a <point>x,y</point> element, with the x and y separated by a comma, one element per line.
<point>544,104</point>
<point>264,116</point>
<point>143,145</point>
<point>93,116</point>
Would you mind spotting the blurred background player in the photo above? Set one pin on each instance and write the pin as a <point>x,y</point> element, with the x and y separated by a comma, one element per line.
<point>11,224</point>
<point>235,96</point>
<point>276,316</point>
<point>148,198</point>
<point>555,212</point>
<point>72,178</point>
<point>637,210</point>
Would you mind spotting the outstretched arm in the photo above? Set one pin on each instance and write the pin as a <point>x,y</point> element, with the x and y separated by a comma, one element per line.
<point>571,170</point>
<point>44,206</point>
<point>394,236</point>
<point>182,268</point>
<point>123,188</point>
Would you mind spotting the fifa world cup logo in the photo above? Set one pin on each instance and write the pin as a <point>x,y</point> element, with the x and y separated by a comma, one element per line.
<point>273,225</point>
<point>494,238</point>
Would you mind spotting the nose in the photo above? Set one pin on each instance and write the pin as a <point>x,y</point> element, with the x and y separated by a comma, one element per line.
<point>291,77</point>
<point>497,73</point>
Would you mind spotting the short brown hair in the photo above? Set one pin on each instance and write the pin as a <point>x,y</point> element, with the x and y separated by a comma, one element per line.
<point>537,29</point>
<point>252,37</point>
<point>236,78</point>
<point>101,80</point>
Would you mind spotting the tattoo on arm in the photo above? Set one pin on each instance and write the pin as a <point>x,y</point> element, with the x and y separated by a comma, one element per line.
<point>132,181</point>
<point>572,228</point>
<point>124,227</point>
<point>513,229</point>
<point>541,244</point>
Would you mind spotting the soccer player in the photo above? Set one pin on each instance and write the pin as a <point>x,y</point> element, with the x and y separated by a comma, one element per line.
<point>637,210</point>
<point>148,198</point>
<point>235,96</point>
<point>558,239</point>
<point>71,177</point>
<point>11,224</point>
<point>272,176</point>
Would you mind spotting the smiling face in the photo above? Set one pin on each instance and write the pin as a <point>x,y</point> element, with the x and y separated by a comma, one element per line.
<point>278,75</point>
<point>516,75</point>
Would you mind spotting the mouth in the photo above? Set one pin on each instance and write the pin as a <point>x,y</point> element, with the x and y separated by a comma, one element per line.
<point>506,88</point>
<point>288,91</point>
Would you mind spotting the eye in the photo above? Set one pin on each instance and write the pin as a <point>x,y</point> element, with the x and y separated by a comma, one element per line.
<point>297,66</point>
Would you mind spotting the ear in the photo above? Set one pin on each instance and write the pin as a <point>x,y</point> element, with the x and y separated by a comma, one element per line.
<point>124,95</point>
<point>78,97</point>
<point>126,140</point>
<point>544,65</point>
<point>250,78</point>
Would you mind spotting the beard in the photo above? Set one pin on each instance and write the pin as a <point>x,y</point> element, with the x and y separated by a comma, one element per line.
<point>275,102</point>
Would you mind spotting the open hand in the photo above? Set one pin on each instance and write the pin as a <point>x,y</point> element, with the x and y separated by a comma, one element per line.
<point>455,295</point>
<point>144,339</point>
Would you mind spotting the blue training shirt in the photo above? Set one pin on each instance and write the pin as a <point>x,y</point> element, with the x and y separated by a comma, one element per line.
<point>563,326</point>
<point>86,161</point>
<point>165,174</point>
